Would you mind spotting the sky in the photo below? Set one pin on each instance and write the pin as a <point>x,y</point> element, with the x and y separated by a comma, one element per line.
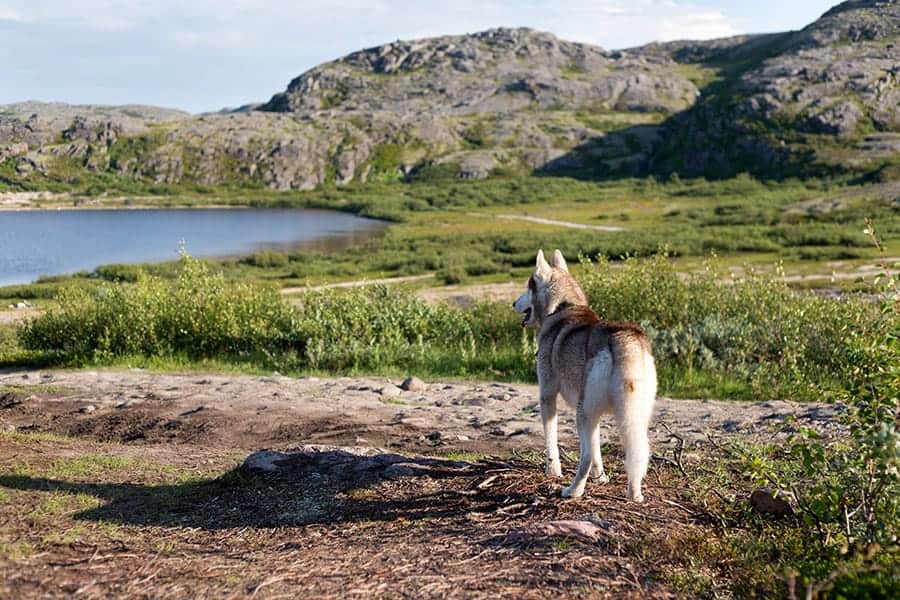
<point>203,55</point>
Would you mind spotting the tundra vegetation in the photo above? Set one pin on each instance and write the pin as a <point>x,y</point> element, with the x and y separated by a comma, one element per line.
<point>716,333</point>
<point>717,185</point>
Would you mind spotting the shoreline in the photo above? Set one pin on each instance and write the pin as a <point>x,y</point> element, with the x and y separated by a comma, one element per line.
<point>140,207</point>
<point>30,201</point>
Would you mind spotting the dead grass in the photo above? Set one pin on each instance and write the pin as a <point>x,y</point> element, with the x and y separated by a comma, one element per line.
<point>89,519</point>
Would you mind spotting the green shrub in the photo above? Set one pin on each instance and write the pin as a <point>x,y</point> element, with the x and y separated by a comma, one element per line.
<point>267,259</point>
<point>751,337</point>
<point>476,135</point>
<point>197,314</point>
<point>754,329</point>
<point>200,315</point>
<point>385,160</point>
<point>117,272</point>
<point>435,173</point>
<point>847,487</point>
<point>451,275</point>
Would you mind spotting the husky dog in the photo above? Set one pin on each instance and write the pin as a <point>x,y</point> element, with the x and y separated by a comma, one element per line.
<point>598,367</point>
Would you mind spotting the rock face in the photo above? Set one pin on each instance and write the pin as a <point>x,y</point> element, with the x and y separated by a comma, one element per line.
<point>511,100</point>
<point>837,80</point>
<point>516,69</point>
<point>39,123</point>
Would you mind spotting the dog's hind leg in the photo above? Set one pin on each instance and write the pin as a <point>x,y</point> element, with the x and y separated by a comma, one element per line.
<point>597,471</point>
<point>587,422</point>
<point>596,401</point>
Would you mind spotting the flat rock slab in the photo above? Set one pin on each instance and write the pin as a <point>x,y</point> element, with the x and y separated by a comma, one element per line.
<point>582,530</point>
<point>351,463</point>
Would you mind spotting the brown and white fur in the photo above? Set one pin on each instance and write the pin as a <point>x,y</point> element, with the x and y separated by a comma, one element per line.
<point>598,366</point>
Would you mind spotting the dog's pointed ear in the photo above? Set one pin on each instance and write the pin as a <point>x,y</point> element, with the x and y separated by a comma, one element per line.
<point>559,262</point>
<point>541,266</point>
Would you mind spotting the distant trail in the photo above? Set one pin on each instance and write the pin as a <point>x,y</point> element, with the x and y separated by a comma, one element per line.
<point>356,283</point>
<point>543,221</point>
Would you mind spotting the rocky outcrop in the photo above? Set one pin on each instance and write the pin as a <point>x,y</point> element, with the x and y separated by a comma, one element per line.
<point>348,466</point>
<point>512,100</point>
<point>837,79</point>
<point>516,68</point>
<point>38,123</point>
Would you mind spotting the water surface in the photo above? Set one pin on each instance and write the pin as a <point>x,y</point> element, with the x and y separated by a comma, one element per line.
<point>53,242</point>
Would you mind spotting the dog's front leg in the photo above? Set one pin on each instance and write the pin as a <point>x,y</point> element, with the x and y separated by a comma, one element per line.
<point>551,441</point>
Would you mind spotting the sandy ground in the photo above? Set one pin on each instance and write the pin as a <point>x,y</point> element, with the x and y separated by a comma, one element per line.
<point>358,283</point>
<point>14,315</point>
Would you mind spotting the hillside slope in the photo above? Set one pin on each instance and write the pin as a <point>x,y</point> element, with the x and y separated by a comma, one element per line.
<point>821,100</point>
<point>826,97</point>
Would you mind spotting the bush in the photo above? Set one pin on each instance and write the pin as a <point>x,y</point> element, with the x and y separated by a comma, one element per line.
<point>266,259</point>
<point>451,275</point>
<point>118,272</point>
<point>200,315</point>
<point>751,337</point>
<point>435,173</point>
<point>754,329</point>
<point>847,487</point>
<point>196,314</point>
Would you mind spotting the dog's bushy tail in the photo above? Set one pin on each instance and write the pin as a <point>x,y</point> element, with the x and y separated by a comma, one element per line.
<point>634,415</point>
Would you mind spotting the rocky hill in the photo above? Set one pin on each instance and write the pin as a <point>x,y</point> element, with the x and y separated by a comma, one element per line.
<point>512,100</point>
<point>828,94</point>
<point>496,71</point>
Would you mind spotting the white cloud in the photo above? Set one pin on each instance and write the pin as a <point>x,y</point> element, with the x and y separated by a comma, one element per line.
<point>695,26</point>
<point>8,14</point>
<point>221,40</point>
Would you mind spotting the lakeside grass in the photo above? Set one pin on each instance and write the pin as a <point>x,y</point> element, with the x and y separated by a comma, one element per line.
<point>450,228</point>
<point>745,337</point>
<point>756,230</point>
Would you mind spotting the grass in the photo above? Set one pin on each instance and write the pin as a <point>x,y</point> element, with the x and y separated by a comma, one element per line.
<point>714,334</point>
<point>757,230</point>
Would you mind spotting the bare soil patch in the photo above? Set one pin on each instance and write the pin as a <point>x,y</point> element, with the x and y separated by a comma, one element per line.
<point>249,412</point>
<point>129,484</point>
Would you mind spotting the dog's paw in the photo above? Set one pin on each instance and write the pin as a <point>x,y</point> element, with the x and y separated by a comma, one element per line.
<point>601,478</point>
<point>554,469</point>
<point>639,497</point>
<point>571,492</point>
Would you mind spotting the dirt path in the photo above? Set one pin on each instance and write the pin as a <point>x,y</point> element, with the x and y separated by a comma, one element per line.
<point>465,295</point>
<point>14,315</point>
<point>866,272</point>
<point>543,221</point>
<point>358,283</point>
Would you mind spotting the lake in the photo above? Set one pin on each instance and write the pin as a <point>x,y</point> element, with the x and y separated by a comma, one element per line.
<point>53,242</point>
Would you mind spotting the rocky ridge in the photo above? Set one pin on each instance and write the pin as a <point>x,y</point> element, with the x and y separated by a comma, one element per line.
<point>495,71</point>
<point>828,93</point>
<point>511,100</point>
